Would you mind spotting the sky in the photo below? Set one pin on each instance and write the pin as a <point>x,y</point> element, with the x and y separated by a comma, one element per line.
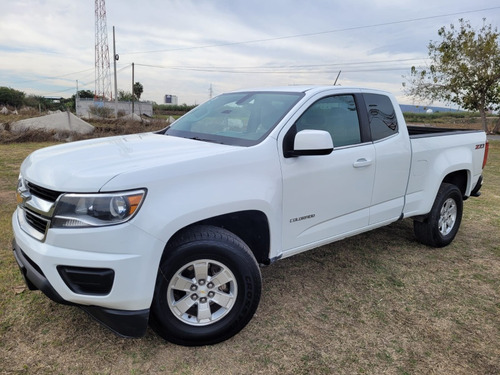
<point>197,48</point>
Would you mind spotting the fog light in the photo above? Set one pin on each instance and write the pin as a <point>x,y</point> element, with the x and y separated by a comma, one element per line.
<point>83,280</point>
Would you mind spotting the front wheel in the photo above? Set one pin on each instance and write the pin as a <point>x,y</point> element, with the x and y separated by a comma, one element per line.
<point>207,289</point>
<point>441,225</point>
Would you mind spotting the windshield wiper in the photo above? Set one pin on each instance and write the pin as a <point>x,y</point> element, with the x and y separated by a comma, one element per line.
<point>205,140</point>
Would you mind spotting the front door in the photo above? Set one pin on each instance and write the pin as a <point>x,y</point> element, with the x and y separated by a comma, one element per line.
<point>328,196</point>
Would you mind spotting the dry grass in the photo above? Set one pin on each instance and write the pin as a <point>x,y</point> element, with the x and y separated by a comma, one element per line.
<point>372,304</point>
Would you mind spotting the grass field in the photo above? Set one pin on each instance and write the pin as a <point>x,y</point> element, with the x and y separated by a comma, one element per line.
<point>378,303</point>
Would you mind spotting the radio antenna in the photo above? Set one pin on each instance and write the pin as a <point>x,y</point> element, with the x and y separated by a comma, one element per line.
<point>336,79</point>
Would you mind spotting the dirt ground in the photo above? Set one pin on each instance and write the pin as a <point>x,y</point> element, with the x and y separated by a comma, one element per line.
<point>377,303</point>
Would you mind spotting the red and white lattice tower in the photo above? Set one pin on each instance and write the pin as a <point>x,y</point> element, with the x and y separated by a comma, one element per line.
<point>102,71</point>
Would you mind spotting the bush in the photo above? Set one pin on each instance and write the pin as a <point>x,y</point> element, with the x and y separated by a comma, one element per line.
<point>101,112</point>
<point>11,97</point>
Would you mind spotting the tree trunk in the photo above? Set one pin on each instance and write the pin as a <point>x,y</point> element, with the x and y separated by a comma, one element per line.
<point>482,112</point>
<point>496,129</point>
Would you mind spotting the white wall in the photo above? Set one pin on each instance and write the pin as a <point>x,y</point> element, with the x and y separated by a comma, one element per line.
<point>83,106</point>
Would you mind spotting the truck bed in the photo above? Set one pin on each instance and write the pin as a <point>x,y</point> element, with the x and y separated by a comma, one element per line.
<point>433,149</point>
<point>427,131</point>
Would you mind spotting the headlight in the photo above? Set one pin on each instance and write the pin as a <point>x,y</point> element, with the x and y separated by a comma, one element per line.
<point>95,210</point>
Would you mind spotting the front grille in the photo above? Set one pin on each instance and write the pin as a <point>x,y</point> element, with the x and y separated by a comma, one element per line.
<point>36,222</point>
<point>43,193</point>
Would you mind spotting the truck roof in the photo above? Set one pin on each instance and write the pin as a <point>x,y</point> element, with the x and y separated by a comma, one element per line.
<point>309,88</point>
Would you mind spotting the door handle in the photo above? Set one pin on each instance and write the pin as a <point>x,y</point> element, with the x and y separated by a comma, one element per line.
<point>360,163</point>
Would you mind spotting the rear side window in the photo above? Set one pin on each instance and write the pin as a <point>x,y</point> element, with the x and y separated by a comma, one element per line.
<point>382,117</point>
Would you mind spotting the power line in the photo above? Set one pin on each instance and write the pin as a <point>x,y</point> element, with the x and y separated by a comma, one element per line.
<point>286,66</point>
<point>313,34</point>
<point>299,71</point>
<point>363,66</point>
<point>83,84</point>
<point>80,83</point>
<point>57,92</point>
<point>56,77</point>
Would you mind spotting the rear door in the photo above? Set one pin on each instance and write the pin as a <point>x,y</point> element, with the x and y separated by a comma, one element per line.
<point>393,155</point>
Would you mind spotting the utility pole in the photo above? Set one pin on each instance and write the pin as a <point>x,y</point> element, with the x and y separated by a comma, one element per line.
<point>115,59</point>
<point>77,99</point>
<point>132,89</point>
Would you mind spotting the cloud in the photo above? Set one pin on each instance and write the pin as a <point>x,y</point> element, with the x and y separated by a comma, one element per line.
<point>181,47</point>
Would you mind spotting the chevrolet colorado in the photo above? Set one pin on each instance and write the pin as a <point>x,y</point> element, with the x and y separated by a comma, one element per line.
<point>169,228</point>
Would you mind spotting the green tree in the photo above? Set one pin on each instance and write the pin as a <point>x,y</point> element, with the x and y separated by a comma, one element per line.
<point>125,95</point>
<point>36,101</point>
<point>464,69</point>
<point>11,97</point>
<point>85,94</point>
<point>138,89</point>
<point>82,94</point>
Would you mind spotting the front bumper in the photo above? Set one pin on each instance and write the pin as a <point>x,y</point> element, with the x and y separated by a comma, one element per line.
<point>122,257</point>
<point>122,322</point>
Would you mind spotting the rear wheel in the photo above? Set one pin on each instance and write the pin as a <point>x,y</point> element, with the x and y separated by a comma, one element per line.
<point>441,225</point>
<point>208,287</point>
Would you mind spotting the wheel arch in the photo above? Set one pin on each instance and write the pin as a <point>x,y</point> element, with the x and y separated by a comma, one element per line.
<point>460,179</point>
<point>251,226</point>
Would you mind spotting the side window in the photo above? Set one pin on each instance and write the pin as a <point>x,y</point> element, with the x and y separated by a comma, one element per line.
<point>383,122</point>
<point>335,114</point>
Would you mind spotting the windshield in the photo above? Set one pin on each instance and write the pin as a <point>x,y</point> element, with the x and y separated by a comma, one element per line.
<point>243,118</point>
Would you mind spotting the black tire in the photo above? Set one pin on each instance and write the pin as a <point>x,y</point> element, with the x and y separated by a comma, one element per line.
<point>207,289</point>
<point>440,227</point>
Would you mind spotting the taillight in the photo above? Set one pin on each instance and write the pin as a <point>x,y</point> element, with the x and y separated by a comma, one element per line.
<point>486,149</point>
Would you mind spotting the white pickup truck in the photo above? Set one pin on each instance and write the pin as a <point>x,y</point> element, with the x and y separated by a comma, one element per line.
<point>169,228</point>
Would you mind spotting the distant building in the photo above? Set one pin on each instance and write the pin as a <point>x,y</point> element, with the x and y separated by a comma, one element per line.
<point>53,99</point>
<point>171,99</point>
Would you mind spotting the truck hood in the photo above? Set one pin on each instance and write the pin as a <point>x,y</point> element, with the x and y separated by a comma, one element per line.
<point>86,166</point>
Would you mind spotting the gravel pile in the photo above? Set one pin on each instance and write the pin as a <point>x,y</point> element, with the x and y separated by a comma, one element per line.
<point>63,121</point>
